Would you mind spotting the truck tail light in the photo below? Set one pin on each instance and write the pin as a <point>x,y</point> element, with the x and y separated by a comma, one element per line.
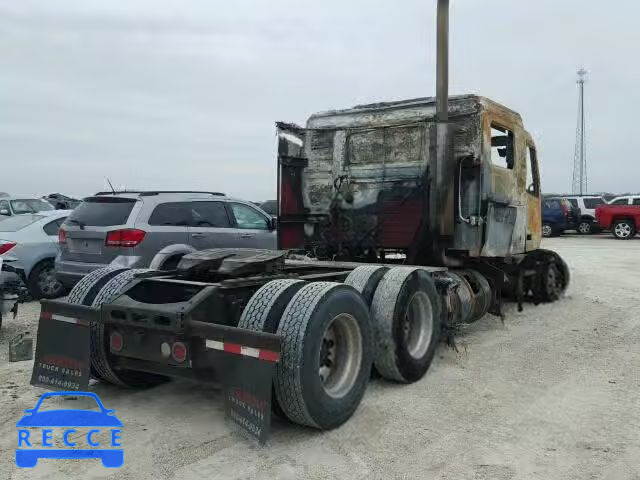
<point>62,236</point>
<point>129,237</point>
<point>179,352</point>
<point>116,342</point>
<point>6,246</point>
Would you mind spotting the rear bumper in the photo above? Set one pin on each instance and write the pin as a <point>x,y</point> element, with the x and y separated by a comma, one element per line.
<point>242,361</point>
<point>12,288</point>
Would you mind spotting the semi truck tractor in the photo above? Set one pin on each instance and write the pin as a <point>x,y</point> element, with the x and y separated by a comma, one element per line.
<point>397,222</point>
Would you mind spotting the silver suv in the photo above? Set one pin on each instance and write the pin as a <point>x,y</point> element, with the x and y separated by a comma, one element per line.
<point>155,229</point>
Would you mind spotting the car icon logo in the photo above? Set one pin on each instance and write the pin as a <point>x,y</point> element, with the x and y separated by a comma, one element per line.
<point>27,453</point>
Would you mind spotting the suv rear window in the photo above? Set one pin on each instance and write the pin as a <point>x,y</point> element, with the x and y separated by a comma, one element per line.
<point>592,203</point>
<point>102,211</point>
<point>552,204</point>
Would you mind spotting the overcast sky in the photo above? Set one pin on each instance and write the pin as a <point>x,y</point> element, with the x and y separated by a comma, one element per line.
<point>184,94</point>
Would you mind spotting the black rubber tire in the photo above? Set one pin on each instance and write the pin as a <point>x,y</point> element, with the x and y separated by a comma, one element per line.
<point>34,287</point>
<point>585,227</point>
<point>298,385</point>
<point>632,229</point>
<point>549,260</point>
<point>88,287</point>
<point>263,313</point>
<point>365,279</point>
<point>100,340</point>
<point>266,307</point>
<point>388,309</point>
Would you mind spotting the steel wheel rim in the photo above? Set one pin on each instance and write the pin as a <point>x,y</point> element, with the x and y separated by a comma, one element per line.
<point>48,283</point>
<point>340,355</point>
<point>584,228</point>
<point>554,281</point>
<point>418,325</point>
<point>623,230</point>
<point>546,230</point>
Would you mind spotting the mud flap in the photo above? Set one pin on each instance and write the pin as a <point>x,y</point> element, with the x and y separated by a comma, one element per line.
<point>62,359</point>
<point>248,397</point>
<point>243,361</point>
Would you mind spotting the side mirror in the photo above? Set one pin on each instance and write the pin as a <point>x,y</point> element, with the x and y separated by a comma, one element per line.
<point>273,223</point>
<point>6,212</point>
<point>531,188</point>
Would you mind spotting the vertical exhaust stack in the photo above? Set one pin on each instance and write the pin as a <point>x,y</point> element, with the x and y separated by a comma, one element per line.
<point>442,62</point>
<point>441,182</point>
<point>436,231</point>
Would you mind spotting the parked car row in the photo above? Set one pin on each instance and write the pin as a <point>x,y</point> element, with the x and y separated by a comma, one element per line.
<point>51,250</point>
<point>579,213</point>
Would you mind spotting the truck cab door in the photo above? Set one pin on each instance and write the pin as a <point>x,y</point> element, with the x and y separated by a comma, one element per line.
<point>534,208</point>
<point>506,208</point>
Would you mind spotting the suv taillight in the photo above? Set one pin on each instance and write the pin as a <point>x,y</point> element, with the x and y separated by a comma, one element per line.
<point>129,237</point>
<point>62,236</point>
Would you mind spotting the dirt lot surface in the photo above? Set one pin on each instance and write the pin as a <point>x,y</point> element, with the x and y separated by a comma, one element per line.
<point>551,393</point>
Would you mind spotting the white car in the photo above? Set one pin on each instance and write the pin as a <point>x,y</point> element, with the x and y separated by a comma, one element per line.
<point>29,245</point>
<point>12,205</point>
<point>626,200</point>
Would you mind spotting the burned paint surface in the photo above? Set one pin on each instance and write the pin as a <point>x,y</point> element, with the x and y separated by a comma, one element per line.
<point>368,181</point>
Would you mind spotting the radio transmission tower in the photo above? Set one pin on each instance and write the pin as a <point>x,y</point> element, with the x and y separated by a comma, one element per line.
<point>580,157</point>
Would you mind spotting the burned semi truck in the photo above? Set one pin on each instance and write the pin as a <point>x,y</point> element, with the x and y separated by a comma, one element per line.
<point>384,251</point>
<point>375,183</point>
<point>398,222</point>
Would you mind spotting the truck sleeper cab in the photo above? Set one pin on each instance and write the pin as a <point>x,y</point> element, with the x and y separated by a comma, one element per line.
<point>364,182</point>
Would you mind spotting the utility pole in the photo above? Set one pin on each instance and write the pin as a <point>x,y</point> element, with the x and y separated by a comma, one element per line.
<point>580,158</point>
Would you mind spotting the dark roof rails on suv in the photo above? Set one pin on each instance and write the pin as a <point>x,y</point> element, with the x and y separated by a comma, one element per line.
<point>150,193</point>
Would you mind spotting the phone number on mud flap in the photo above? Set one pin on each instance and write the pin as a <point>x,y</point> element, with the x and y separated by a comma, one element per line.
<point>57,382</point>
<point>246,424</point>
<point>245,406</point>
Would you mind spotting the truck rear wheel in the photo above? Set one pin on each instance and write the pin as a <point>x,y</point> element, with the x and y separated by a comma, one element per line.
<point>407,322</point>
<point>265,308</point>
<point>365,279</point>
<point>623,229</point>
<point>264,311</point>
<point>327,354</point>
<point>100,340</point>
<point>88,287</point>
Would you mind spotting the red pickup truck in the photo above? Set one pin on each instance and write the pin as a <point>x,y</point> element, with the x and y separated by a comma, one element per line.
<point>622,220</point>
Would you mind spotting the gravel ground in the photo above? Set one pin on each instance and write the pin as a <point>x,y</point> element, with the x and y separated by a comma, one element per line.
<point>551,393</point>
